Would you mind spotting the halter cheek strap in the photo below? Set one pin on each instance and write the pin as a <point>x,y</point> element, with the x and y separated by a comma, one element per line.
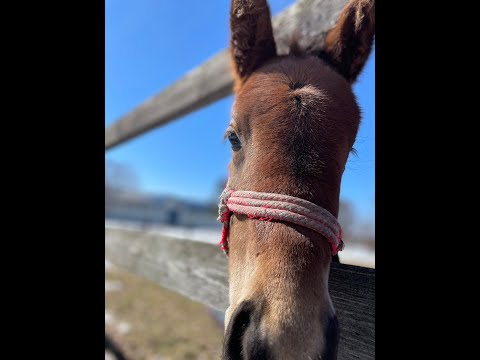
<point>270,206</point>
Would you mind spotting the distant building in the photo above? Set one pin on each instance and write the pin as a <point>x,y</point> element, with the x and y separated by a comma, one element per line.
<point>159,210</point>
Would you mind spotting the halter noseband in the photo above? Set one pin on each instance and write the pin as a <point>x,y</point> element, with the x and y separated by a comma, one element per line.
<point>270,206</point>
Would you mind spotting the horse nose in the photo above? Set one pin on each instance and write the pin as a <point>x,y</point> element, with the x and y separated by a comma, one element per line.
<point>243,340</point>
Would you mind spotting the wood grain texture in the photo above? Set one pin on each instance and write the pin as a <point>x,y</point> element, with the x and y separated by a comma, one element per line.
<point>352,289</point>
<point>307,20</point>
<point>198,271</point>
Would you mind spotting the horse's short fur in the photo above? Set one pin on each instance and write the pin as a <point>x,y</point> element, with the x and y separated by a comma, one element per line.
<point>296,118</point>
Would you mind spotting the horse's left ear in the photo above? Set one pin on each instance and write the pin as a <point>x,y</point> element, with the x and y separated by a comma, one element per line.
<point>349,43</point>
<point>251,41</point>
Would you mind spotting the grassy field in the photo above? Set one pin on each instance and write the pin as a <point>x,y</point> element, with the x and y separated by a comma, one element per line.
<point>153,323</point>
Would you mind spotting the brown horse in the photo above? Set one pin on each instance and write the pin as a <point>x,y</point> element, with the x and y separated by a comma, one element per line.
<point>294,122</point>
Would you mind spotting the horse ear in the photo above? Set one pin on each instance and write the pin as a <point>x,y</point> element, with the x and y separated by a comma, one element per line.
<point>349,43</point>
<point>251,41</point>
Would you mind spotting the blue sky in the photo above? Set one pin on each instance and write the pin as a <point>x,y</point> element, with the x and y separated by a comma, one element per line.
<point>148,45</point>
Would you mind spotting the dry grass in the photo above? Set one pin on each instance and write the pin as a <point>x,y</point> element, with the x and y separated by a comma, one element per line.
<point>163,324</point>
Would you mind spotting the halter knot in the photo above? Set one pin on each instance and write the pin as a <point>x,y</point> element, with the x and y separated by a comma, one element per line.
<point>271,206</point>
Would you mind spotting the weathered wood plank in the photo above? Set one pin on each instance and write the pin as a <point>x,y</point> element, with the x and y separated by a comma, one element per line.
<point>199,271</point>
<point>211,81</point>
<point>352,289</point>
<point>194,269</point>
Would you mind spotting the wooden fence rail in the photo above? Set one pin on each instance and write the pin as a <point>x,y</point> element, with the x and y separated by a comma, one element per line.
<point>198,271</point>
<point>310,19</point>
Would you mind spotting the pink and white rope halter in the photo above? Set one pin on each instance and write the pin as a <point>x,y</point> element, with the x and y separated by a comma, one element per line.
<point>270,206</point>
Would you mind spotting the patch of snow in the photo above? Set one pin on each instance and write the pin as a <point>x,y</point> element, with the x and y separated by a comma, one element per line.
<point>123,328</point>
<point>109,266</point>
<point>109,355</point>
<point>357,255</point>
<point>108,318</point>
<point>208,235</point>
<point>113,286</point>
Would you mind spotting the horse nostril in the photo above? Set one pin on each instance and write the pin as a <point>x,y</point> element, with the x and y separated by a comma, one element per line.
<point>232,344</point>
<point>243,340</point>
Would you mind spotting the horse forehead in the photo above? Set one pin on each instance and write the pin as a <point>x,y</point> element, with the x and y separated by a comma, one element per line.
<point>274,84</point>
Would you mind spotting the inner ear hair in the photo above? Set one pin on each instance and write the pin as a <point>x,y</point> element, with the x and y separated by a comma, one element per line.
<point>349,43</point>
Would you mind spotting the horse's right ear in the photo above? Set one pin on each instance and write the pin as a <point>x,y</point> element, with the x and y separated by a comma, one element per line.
<point>349,43</point>
<point>251,41</point>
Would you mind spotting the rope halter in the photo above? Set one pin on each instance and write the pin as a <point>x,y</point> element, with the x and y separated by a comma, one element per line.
<point>270,206</point>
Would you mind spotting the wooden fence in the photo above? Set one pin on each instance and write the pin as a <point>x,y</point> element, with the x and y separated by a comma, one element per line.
<point>199,270</point>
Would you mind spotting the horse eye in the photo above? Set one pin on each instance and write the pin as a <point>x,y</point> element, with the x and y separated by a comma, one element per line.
<point>234,140</point>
